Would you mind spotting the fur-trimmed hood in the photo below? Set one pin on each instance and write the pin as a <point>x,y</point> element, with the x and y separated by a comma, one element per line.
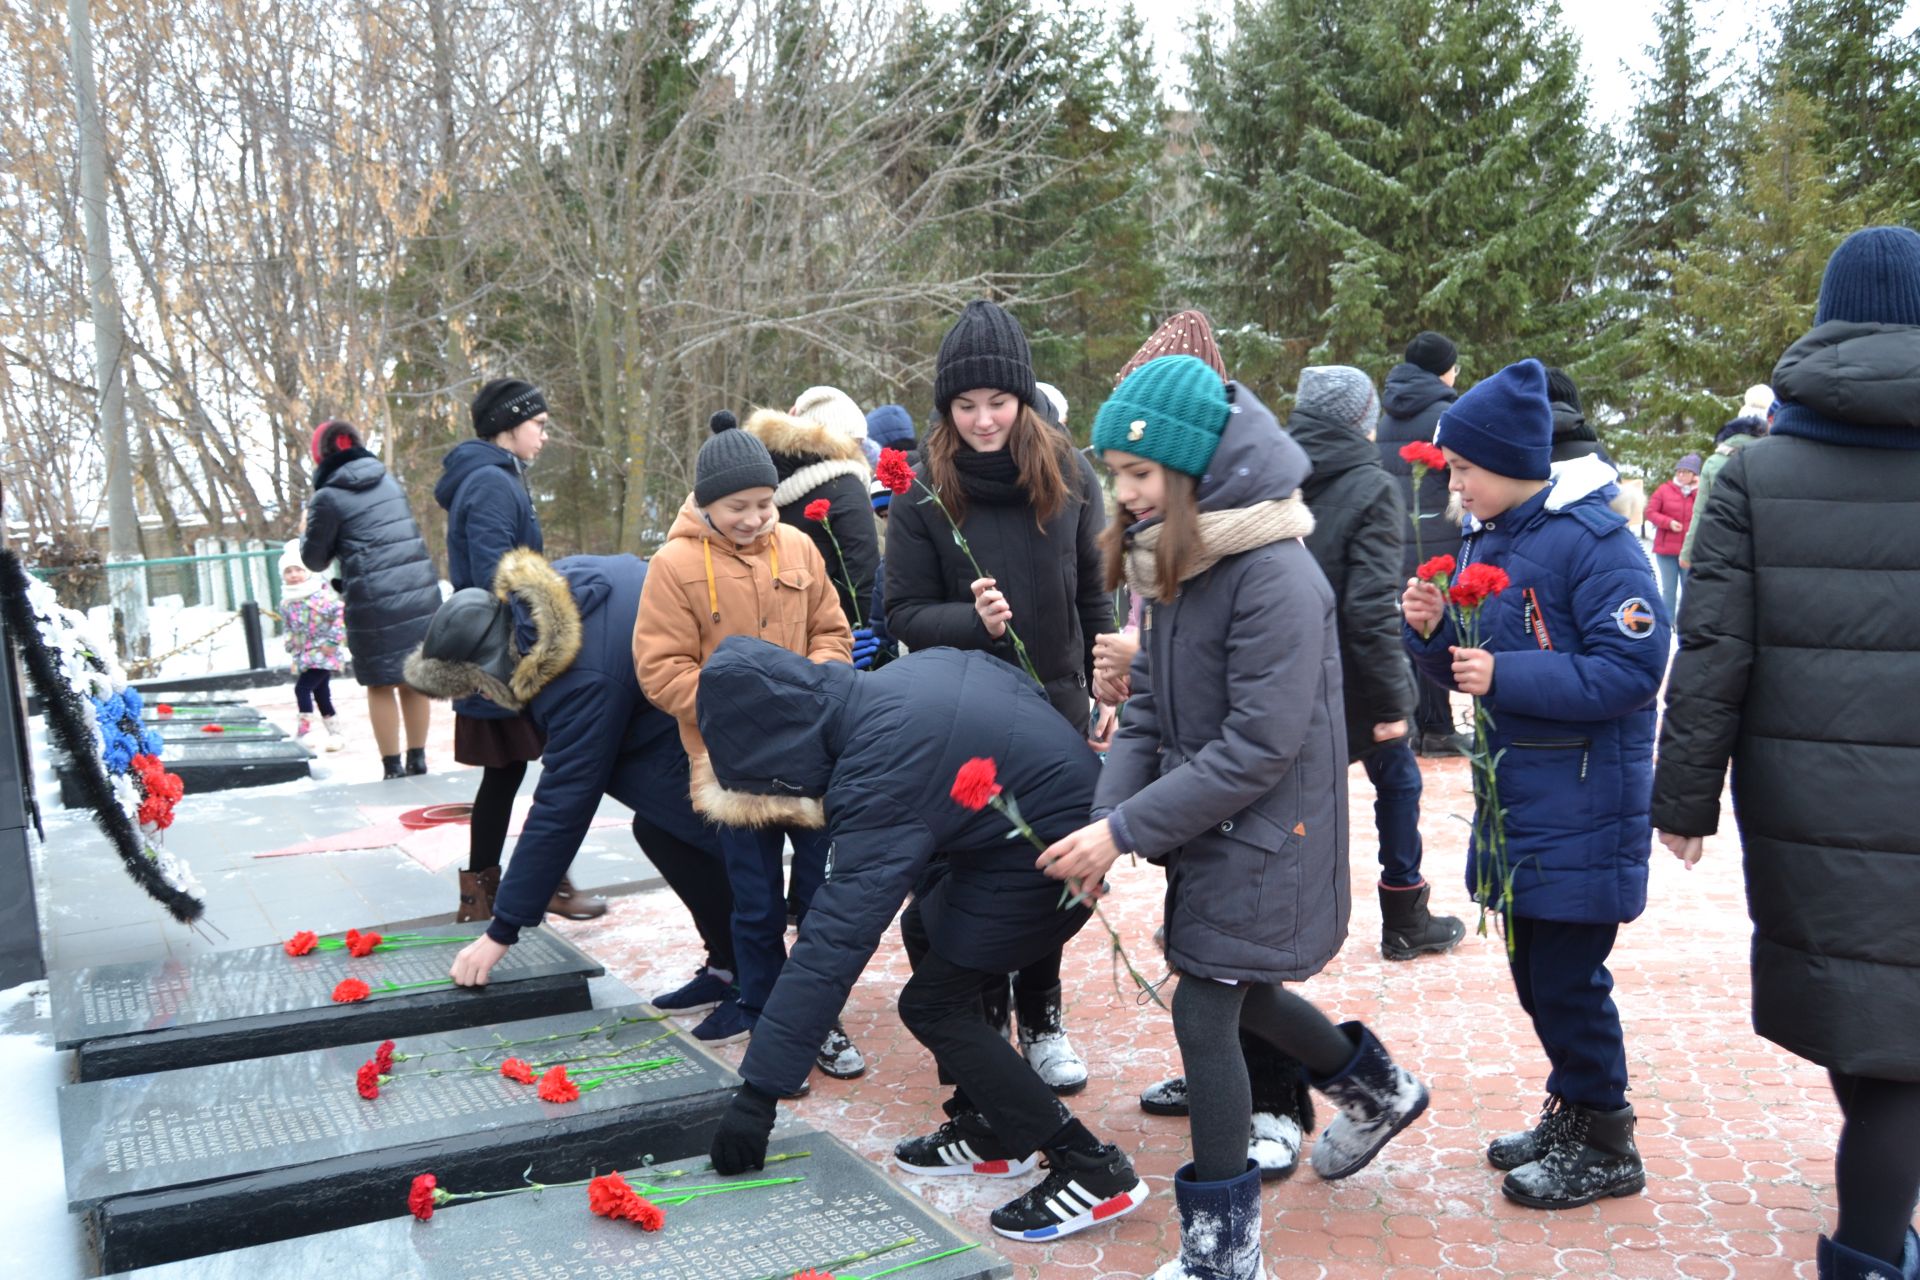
<point>805,454</point>
<point>547,608</point>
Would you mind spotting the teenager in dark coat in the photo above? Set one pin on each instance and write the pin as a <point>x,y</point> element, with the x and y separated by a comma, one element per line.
<point>359,517</point>
<point>1359,530</point>
<point>1802,619</point>
<point>555,642</point>
<point>883,750</point>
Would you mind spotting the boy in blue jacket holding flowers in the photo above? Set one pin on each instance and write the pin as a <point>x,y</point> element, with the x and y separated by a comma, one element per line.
<point>1569,660</point>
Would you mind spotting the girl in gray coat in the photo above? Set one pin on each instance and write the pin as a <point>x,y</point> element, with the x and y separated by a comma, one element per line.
<point>1230,769</point>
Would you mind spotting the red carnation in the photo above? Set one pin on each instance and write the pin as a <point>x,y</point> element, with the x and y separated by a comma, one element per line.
<point>894,471</point>
<point>361,944</point>
<point>301,943</point>
<point>424,1195</point>
<point>817,509</point>
<point>368,1080</point>
<point>350,991</point>
<point>609,1196</point>
<point>1422,453</point>
<point>383,1056</point>
<point>974,786</point>
<point>517,1070</point>
<point>555,1087</point>
<point>1476,584</point>
<point>1438,567</point>
<point>213,728</point>
<point>163,708</point>
<point>811,1274</point>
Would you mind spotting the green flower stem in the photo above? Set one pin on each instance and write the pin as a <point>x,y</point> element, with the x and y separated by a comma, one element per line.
<point>1419,474</point>
<point>443,1196</point>
<point>853,592</point>
<point>707,1168</point>
<point>412,986</point>
<point>670,1199</point>
<point>585,1034</point>
<point>863,1255</point>
<point>960,539</point>
<point>917,1262</point>
<point>587,1084</point>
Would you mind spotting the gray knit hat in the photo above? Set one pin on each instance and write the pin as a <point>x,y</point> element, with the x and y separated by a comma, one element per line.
<point>1341,394</point>
<point>730,461</point>
<point>985,348</point>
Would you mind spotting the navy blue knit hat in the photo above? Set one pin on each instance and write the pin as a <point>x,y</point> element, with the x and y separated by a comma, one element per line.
<point>1504,423</point>
<point>1873,278</point>
<point>890,425</point>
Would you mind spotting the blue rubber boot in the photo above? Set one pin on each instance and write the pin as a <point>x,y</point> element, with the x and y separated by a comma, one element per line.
<point>1219,1228</point>
<point>1837,1262</point>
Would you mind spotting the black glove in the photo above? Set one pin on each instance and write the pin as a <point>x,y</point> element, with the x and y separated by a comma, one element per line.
<point>740,1143</point>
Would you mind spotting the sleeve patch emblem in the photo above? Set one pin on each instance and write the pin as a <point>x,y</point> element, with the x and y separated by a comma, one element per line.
<point>1635,618</point>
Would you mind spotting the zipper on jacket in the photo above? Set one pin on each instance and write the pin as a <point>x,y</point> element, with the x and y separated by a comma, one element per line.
<point>1583,745</point>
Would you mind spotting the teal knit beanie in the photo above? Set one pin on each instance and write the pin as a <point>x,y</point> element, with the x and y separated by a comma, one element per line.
<point>1170,410</point>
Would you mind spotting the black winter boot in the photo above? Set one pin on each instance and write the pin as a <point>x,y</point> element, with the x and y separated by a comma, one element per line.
<point>1837,1262</point>
<point>1219,1228</point>
<point>416,760</point>
<point>1588,1156</point>
<point>1377,1099</point>
<point>1528,1145</point>
<point>392,766</point>
<point>1408,929</point>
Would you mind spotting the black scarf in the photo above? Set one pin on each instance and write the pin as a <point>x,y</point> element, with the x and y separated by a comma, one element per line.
<point>990,478</point>
<point>333,462</point>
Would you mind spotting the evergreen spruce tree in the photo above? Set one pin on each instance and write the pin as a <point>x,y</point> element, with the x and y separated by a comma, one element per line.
<point>1848,58</point>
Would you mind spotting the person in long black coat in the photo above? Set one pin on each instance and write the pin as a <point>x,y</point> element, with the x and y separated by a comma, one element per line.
<point>884,750</point>
<point>359,516</point>
<point>1800,625</point>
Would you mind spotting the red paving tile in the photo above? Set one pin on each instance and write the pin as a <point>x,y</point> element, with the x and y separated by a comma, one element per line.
<point>1738,1135</point>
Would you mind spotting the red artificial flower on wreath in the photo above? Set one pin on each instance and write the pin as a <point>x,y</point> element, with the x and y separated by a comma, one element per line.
<point>301,943</point>
<point>974,785</point>
<point>609,1196</point>
<point>555,1087</point>
<point>817,509</point>
<point>361,944</point>
<point>1438,567</point>
<point>423,1196</point>
<point>367,1080</point>
<point>1476,584</point>
<point>350,991</point>
<point>517,1070</point>
<point>894,471</point>
<point>1423,453</point>
<point>383,1056</point>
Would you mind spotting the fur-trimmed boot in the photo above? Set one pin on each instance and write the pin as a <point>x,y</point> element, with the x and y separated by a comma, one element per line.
<point>1219,1228</point>
<point>1589,1155</point>
<point>1043,1039</point>
<point>1377,1099</point>
<point>1282,1107</point>
<point>476,895</point>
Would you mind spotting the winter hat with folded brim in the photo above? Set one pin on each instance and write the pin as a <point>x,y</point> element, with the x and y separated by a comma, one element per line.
<point>1433,352</point>
<point>1170,410</point>
<point>890,425</point>
<point>1504,424</point>
<point>1689,463</point>
<point>985,348</point>
<point>1872,278</point>
<point>831,407</point>
<point>731,460</point>
<point>1340,394</point>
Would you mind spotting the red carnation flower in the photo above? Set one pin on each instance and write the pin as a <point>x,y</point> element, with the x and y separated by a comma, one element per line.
<point>213,728</point>
<point>811,1274</point>
<point>163,708</point>
<point>423,1196</point>
<point>555,1087</point>
<point>383,1056</point>
<point>1422,453</point>
<point>301,943</point>
<point>361,944</point>
<point>609,1196</point>
<point>649,1215</point>
<point>350,991</point>
<point>367,1080</point>
<point>974,786</point>
<point>894,471</point>
<point>1438,567</point>
<point>1476,584</point>
<point>517,1070</point>
<point>817,509</point>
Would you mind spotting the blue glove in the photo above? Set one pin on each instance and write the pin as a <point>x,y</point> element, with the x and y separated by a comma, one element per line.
<point>865,645</point>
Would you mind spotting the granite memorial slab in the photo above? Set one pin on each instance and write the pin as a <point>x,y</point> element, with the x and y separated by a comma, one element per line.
<point>123,1019</point>
<point>843,1206</point>
<point>210,762</point>
<point>198,731</point>
<point>179,1163</point>
<point>199,712</point>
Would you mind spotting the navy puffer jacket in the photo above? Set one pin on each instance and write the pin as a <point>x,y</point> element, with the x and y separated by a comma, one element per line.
<point>489,513</point>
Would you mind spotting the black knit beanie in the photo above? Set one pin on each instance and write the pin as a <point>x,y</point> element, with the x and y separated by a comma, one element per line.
<point>504,404</point>
<point>1433,352</point>
<point>985,348</point>
<point>1560,386</point>
<point>730,461</point>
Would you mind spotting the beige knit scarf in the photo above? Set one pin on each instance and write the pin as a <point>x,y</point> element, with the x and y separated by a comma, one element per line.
<point>1222,534</point>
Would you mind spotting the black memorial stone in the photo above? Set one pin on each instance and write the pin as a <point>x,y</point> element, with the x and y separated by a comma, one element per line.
<point>844,1206</point>
<point>175,1164</point>
<point>196,731</point>
<point>222,1006</point>
<point>199,712</point>
<point>211,762</point>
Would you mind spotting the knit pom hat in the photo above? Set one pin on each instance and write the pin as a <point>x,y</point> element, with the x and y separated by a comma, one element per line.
<point>1689,463</point>
<point>985,348</point>
<point>1433,352</point>
<point>504,404</point>
<point>1873,278</point>
<point>730,461</point>
<point>1189,333</point>
<point>1170,410</point>
<point>1757,403</point>
<point>1340,394</point>
<point>831,407</point>
<point>1503,423</point>
<point>889,424</point>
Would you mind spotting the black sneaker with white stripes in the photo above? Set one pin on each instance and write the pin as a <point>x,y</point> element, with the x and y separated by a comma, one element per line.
<point>1079,1191</point>
<point>963,1144</point>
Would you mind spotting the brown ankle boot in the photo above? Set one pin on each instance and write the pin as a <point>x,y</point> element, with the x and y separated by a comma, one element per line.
<point>572,905</point>
<point>476,895</point>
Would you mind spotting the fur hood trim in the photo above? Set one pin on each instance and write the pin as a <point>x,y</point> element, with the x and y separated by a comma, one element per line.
<point>814,474</point>
<point>746,809</point>
<point>556,639</point>
<point>799,438</point>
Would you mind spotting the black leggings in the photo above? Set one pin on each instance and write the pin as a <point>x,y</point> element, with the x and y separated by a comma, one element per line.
<point>314,685</point>
<point>493,814</point>
<point>1877,1167</point>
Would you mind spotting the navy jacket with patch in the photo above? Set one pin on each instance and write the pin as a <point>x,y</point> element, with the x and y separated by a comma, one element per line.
<point>489,513</point>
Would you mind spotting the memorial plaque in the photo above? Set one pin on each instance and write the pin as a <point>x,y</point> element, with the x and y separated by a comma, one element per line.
<point>195,731</point>
<point>225,1005</point>
<point>199,712</point>
<point>844,1206</point>
<point>209,762</point>
<point>171,1165</point>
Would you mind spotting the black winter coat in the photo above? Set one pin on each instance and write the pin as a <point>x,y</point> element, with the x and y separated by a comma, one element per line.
<point>489,513</point>
<point>1573,438</point>
<point>1052,580</point>
<point>882,748</point>
<point>1410,407</point>
<point>816,462</point>
<point>359,516</point>
<point>1360,532</point>
<point>1799,630</point>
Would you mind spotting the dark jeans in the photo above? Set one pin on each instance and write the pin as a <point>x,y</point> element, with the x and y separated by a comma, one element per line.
<point>754,872</point>
<point>1877,1167</point>
<point>699,879</point>
<point>1560,973</point>
<point>1395,775</point>
<point>941,1006</point>
<point>1433,713</point>
<point>315,685</point>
